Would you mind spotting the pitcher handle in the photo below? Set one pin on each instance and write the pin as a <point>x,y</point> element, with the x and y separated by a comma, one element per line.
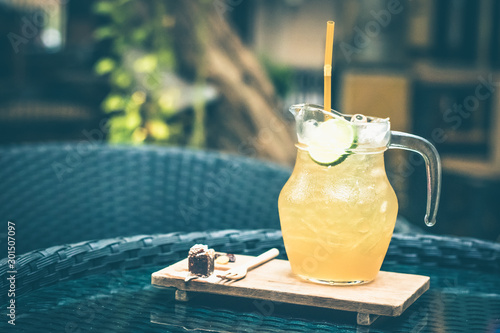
<point>400,140</point>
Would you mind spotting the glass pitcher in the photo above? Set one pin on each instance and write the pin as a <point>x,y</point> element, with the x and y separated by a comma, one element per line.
<point>338,209</point>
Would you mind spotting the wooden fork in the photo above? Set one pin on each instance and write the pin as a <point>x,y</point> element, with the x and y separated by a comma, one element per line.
<point>240,272</point>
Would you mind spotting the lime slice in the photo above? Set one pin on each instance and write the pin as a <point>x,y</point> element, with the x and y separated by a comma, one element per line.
<point>331,141</point>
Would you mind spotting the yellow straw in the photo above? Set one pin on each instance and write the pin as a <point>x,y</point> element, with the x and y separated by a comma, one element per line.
<point>330,29</point>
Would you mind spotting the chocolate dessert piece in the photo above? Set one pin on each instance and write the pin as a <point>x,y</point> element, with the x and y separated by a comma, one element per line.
<point>231,256</point>
<point>201,260</point>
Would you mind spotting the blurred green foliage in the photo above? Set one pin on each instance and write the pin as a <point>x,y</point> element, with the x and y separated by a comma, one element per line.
<point>140,104</point>
<point>280,75</point>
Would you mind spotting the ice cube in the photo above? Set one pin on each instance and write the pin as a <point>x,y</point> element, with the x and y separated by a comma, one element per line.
<point>307,131</point>
<point>373,134</point>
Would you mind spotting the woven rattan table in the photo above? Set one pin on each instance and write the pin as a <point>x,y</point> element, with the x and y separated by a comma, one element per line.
<point>104,286</point>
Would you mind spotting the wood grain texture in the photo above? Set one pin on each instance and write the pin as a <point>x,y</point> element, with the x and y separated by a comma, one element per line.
<point>388,295</point>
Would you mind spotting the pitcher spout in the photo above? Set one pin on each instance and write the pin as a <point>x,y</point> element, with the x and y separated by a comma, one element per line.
<point>295,109</point>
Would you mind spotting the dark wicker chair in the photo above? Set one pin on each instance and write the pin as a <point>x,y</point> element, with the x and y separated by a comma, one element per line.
<point>66,193</point>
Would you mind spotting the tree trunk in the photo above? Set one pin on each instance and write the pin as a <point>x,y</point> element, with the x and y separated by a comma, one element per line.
<point>246,118</point>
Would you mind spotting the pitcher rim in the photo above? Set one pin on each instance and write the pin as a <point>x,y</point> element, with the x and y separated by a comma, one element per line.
<point>347,117</point>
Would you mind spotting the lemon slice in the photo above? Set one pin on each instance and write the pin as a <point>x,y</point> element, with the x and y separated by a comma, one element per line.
<point>331,141</point>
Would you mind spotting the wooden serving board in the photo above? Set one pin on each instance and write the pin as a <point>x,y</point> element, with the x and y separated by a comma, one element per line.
<point>390,294</point>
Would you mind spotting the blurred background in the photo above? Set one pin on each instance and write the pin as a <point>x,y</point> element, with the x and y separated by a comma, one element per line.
<point>220,75</point>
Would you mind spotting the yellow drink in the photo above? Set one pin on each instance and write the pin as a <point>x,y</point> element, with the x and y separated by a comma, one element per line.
<point>337,221</point>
